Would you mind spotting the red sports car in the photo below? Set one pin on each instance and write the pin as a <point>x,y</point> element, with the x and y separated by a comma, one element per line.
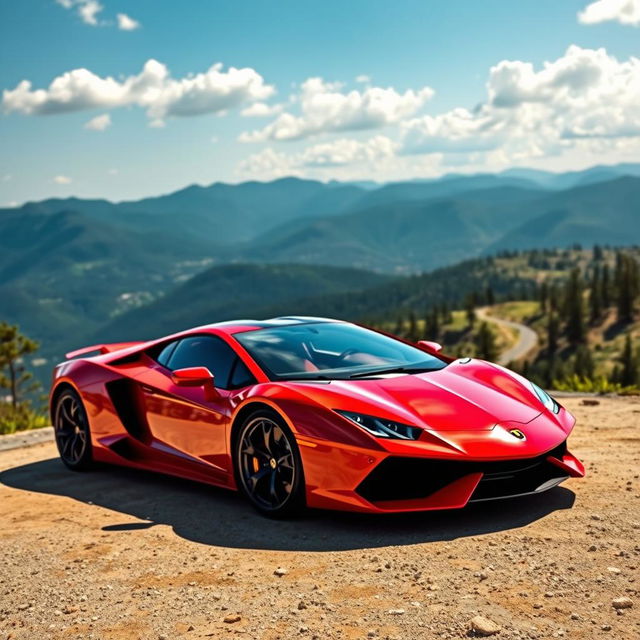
<point>299,411</point>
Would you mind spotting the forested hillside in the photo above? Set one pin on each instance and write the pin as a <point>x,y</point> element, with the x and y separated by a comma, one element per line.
<point>583,303</point>
<point>233,291</point>
<point>74,271</point>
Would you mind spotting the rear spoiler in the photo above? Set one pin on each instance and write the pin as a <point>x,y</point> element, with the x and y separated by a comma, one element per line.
<point>101,349</point>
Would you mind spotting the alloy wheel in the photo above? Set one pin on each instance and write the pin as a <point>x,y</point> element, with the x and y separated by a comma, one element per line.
<point>71,430</point>
<point>267,464</point>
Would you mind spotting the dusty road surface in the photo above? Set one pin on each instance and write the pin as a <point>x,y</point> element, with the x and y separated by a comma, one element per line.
<point>116,554</point>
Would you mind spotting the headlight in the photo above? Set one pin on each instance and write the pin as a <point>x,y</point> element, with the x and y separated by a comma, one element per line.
<point>382,428</point>
<point>545,398</point>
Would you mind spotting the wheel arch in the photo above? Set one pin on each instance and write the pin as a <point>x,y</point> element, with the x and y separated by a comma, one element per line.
<point>247,409</point>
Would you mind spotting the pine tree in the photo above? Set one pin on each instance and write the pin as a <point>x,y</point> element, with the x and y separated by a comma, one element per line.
<point>605,287</point>
<point>489,296</point>
<point>553,329</point>
<point>447,317</point>
<point>486,347</point>
<point>616,374</point>
<point>544,296</point>
<point>617,272</point>
<point>470,307</point>
<point>629,361</point>
<point>623,303</point>
<point>626,285</point>
<point>412,334</point>
<point>555,371</point>
<point>399,328</point>
<point>595,296</point>
<point>583,365</point>
<point>13,376</point>
<point>432,324</point>
<point>573,309</point>
<point>553,298</point>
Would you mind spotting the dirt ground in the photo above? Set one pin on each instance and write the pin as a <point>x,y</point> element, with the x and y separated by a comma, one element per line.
<point>116,554</point>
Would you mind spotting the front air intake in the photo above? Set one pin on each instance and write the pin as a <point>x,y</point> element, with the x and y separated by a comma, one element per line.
<point>398,478</point>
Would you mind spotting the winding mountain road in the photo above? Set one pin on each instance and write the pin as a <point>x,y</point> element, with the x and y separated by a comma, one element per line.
<point>527,338</point>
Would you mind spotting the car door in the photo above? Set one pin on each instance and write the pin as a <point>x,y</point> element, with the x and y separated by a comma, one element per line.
<point>186,421</point>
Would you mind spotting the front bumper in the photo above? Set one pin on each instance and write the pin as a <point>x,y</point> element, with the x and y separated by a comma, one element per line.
<point>339,477</point>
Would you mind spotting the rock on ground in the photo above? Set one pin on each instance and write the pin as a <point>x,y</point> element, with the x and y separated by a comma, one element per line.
<point>482,626</point>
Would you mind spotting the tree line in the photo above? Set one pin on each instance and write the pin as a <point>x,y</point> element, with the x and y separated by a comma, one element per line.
<point>576,294</point>
<point>589,298</point>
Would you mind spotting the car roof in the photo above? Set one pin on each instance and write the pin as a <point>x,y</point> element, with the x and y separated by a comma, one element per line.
<point>228,328</point>
<point>238,326</point>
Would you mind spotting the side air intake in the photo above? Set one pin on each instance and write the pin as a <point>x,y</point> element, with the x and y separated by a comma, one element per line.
<point>127,400</point>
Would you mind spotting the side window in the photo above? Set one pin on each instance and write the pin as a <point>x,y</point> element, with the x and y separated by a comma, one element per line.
<point>241,376</point>
<point>162,356</point>
<point>205,351</point>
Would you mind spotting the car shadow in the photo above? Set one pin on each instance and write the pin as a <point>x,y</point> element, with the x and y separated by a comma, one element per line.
<point>211,516</point>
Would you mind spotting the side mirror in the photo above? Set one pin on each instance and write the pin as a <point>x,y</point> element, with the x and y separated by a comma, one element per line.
<point>435,347</point>
<point>196,377</point>
<point>192,377</point>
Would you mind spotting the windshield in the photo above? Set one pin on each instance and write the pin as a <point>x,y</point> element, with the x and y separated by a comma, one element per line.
<point>332,350</point>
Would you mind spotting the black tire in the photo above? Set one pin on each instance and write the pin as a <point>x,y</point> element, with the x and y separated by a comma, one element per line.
<point>268,466</point>
<point>71,428</point>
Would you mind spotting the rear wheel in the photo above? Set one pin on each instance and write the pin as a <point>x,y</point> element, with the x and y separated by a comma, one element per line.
<point>71,428</point>
<point>268,465</point>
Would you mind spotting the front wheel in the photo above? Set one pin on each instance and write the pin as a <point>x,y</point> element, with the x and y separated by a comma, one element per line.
<point>71,428</point>
<point>268,465</point>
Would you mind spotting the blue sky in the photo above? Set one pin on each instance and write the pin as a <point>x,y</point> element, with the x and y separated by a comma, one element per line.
<point>345,90</point>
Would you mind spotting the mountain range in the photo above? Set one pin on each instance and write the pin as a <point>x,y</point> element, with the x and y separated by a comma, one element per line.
<point>73,268</point>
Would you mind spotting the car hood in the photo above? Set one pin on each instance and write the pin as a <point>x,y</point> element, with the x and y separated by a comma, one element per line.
<point>466,395</point>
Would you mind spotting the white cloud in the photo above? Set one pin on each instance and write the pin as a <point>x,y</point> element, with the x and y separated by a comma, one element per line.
<point>261,110</point>
<point>622,11</point>
<point>87,10</point>
<point>268,164</point>
<point>126,23</point>
<point>113,172</point>
<point>453,131</point>
<point>581,108</point>
<point>347,152</point>
<point>62,180</point>
<point>99,123</point>
<point>342,159</point>
<point>585,94</point>
<point>153,89</point>
<point>328,155</point>
<point>363,79</point>
<point>325,108</point>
